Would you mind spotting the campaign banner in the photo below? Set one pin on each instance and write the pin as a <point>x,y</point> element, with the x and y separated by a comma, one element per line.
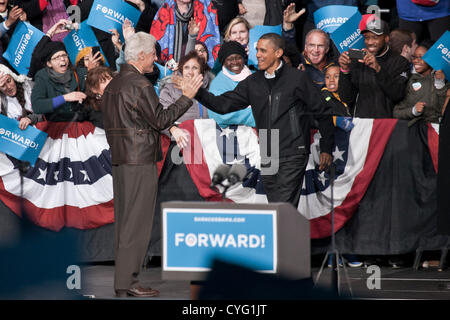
<point>76,41</point>
<point>348,36</point>
<point>25,144</point>
<point>438,56</point>
<point>21,46</point>
<point>111,14</point>
<point>255,33</point>
<point>193,238</point>
<point>330,18</point>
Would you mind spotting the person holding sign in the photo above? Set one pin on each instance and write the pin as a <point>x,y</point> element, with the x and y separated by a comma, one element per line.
<point>283,100</point>
<point>15,92</point>
<point>425,92</point>
<point>133,119</point>
<point>378,75</point>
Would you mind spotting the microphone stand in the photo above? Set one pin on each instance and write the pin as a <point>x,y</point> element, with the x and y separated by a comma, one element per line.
<point>333,253</point>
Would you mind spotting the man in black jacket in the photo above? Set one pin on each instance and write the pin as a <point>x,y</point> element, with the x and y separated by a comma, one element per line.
<point>378,81</point>
<point>283,101</point>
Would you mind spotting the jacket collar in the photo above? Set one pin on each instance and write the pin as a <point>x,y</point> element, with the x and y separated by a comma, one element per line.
<point>126,67</point>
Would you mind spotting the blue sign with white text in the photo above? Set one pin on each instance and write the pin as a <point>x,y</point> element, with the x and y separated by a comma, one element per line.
<point>255,33</point>
<point>75,41</point>
<point>348,36</point>
<point>25,144</point>
<point>330,18</point>
<point>438,56</point>
<point>21,46</point>
<point>111,14</point>
<point>193,238</point>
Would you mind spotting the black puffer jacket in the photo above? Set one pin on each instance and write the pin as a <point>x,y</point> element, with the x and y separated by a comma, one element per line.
<point>376,93</point>
<point>289,106</point>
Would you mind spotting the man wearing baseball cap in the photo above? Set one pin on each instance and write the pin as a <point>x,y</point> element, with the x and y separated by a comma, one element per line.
<point>378,80</point>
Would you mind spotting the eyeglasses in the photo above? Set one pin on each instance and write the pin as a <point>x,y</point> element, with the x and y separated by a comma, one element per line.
<point>201,50</point>
<point>416,57</point>
<point>64,56</point>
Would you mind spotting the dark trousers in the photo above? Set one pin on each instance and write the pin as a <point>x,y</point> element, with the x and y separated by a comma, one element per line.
<point>135,189</point>
<point>436,27</point>
<point>286,184</point>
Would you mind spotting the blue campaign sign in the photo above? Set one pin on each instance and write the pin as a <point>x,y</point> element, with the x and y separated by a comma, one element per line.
<point>348,36</point>
<point>75,41</point>
<point>438,56</point>
<point>111,14</point>
<point>255,33</point>
<point>330,18</point>
<point>25,144</point>
<point>21,46</point>
<point>193,238</point>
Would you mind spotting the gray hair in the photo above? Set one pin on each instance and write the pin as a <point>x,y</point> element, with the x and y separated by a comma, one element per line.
<point>327,37</point>
<point>137,43</point>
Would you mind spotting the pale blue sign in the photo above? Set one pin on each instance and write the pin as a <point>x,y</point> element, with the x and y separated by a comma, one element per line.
<point>76,41</point>
<point>21,46</point>
<point>330,18</point>
<point>25,145</point>
<point>255,33</point>
<point>111,14</point>
<point>438,56</point>
<point>348,36</point>
<point>193,238</point>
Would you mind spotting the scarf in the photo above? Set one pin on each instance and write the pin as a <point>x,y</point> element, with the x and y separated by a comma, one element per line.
<point>55,11</point>
<point>62,78</point>
<point>164,28</point>
<point>237,77</point>
<point>180,27</point>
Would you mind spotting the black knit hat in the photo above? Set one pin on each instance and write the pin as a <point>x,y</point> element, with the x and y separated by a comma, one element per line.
<point>50,49</point>
<point>230,47</point>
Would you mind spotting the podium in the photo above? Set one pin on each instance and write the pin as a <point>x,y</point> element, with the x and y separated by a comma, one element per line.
<point>269,238</point>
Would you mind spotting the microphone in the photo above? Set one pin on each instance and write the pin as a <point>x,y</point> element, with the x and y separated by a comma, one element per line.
<point>237,173</point>
<point>219,175</point>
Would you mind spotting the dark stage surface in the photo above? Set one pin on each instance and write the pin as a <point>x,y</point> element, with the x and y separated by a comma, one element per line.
<point>403,283</point>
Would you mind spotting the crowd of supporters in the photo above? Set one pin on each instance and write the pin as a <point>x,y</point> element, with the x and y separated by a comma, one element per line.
<point>391,80</point>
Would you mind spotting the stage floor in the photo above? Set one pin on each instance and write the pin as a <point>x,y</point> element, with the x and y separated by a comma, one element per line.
<point>402,283</point>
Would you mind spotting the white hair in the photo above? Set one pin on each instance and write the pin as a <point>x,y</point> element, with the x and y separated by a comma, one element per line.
<point>137,43</point>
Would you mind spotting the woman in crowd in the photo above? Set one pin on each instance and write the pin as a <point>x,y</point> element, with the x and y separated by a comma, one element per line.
<point>89,56</point>
<point>58,91</point>
<point>202,52</point>
<point>232,56</point>
<point>15,97</point>
<point>96,81</point>
<point>190,65</point>
<point>425,93</point>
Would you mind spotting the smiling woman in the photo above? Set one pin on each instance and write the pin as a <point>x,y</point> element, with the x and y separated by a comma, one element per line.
<point>190,65</point>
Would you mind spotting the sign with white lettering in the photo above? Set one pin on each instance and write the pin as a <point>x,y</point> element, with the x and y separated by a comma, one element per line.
<point>329,18</point>
<point>21,46</point>
<point>438,56</point>
<point>348,36</point>
<point>76,41</point>
<point>193,238</point>
<point>25,145</point>
<point>111,14</point>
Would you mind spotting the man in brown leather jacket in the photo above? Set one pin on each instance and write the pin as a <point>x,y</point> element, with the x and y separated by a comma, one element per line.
<point>133,119</point>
